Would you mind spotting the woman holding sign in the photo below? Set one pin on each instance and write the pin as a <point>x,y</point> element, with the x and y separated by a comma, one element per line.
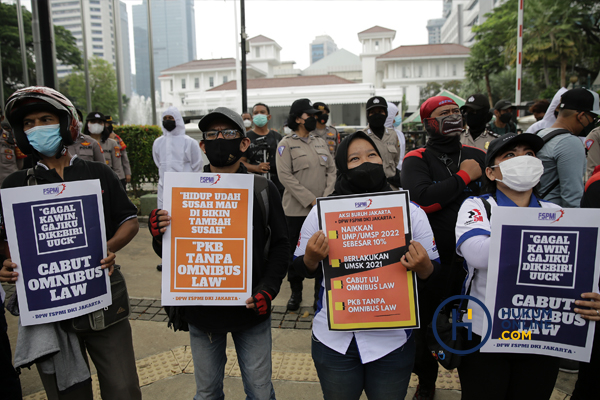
<point>512,171</point>
<point>378,362</point>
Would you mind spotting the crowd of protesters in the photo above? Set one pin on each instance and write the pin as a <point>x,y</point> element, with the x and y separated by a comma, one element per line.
<point>473,156</point>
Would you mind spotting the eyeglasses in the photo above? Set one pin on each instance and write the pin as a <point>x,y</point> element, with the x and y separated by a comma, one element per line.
<point>228,134</point>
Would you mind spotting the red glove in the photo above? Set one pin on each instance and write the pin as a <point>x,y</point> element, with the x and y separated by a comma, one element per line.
<point>153,223</point>
<point>262,302</point>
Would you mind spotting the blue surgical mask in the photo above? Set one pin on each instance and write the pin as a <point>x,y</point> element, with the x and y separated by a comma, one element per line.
<point>260,120</point>
<point>397,121</point>
<point>45,138</point>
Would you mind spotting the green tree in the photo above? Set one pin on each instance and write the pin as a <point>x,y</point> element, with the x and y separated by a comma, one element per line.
<point>431,89</point>
<point>66,50</point>
<point>103,87</point>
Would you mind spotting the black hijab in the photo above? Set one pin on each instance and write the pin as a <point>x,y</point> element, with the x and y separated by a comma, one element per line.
<point>343,185</point>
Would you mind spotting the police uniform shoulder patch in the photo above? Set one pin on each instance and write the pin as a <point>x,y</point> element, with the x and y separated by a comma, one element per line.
<point>324,158</point>
<point>589,143</point>
<point>280,150</point>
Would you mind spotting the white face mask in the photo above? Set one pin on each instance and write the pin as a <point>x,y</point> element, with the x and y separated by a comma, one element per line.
<point>521,173</point>
<point>95,128</point>
<point>247,123</point>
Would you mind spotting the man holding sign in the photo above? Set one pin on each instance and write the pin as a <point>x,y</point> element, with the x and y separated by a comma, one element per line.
<point>45,122</point>
<point>224,143</point>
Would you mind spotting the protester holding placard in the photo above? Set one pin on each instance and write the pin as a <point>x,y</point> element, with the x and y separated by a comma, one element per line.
<point>224,143</point>
<point>347,362</point>
<point>511,173</point>
<point>45,122</point>
<point>587,381</point>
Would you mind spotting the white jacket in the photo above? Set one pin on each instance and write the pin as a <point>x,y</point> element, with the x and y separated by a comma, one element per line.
<point>175,151</point>
<point>549,118</point>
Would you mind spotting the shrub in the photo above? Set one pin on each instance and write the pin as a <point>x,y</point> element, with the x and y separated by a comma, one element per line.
<point>139,140</point>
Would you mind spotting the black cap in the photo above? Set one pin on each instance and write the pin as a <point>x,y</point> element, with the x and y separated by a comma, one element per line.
<point>580,99</point>
<point>220,113</point>
<point>376,101</point>
<point>503,105</point>
<point>303,106</point>
<point>95,115</point>
<point>321,106</point>
<point>108,118</point>
<point>533,140</point>
<point>476,102</point>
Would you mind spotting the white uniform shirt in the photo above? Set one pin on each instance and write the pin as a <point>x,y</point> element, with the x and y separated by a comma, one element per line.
<point>473,243</point>
<point>372,345</point>
<point>175,152</point>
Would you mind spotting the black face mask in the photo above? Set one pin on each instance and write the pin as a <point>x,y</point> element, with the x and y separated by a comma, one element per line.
<point>448,126</point>
<point>310,124</point>
<point>223,152</point>
<point>169,124</point>
<point>323,119</point>
<point>376,120</point>
<point>587,129</point>
<point>477,122</point>
<point>367,177</point>
<point>505,118</point>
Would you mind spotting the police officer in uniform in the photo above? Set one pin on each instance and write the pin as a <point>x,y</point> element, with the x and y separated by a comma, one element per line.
<point>94,127</point>
<point>503,124</point>
<point>86,148</point>
<point>384,138</point>
<point>328,133</point>
<point>11,158</point>
<point>126,178</point>
<point>476,113</point>
<point>307,170</point>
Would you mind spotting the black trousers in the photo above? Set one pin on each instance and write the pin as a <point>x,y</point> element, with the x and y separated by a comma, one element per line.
<point>505,376</point>
<point>294,225</point>
<point>587,382</point>
<point>11,385</point>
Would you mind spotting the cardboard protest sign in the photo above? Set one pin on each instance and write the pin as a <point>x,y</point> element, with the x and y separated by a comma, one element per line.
<point>541,261</point>
<point>57,239</point>
<point>367,286</point>
<point>207,250</point>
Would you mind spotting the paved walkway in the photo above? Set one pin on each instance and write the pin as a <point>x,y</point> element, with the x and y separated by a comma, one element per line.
<point>164,360</point>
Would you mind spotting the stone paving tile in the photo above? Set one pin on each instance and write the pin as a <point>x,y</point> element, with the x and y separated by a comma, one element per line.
<point>287,324</point>
<point>275,323</point>
<point>145,317</point>
<point>290,317</point>
<point>303,325</point>
<point>279,309</point>
<point>146,303</point>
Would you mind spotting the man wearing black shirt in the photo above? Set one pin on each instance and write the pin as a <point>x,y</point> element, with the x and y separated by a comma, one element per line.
<point>260,156</point>
<point>249,325</point>
<point>439,177</point>
<point>45,123</point>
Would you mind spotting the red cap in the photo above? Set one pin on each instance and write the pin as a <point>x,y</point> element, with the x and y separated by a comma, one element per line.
<point>434,102</point>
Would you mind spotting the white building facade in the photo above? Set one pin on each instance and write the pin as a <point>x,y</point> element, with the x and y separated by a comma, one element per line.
<point>463,16</point>
<point>199,86</point>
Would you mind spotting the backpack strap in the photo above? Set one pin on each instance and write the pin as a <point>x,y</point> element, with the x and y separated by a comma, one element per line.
<point>31,181</point>
<point>546,139</point>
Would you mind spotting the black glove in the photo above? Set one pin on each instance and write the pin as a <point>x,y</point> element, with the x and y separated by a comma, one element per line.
<point>153,224</point>
<point>262,302</point>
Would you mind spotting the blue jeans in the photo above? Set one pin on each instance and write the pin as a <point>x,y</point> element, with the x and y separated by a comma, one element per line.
<point>253,347</point>
<point>344,376</point>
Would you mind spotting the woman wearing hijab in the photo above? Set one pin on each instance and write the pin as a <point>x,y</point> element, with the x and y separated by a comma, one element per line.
<point>378,362</point>
<point>512,171</point>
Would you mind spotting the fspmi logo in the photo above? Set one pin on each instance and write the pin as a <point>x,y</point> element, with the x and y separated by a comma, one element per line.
<point>546,216</point>
<point>212,180</point>
<point>55,190</point>
<point>551,216</point>
<point>363,204</point>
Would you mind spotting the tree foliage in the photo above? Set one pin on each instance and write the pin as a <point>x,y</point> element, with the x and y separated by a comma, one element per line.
<point>433,88</point>
<point>103,87</point>
<point>139,140</point>
<point>12,70</point>
<point>560,38</point>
